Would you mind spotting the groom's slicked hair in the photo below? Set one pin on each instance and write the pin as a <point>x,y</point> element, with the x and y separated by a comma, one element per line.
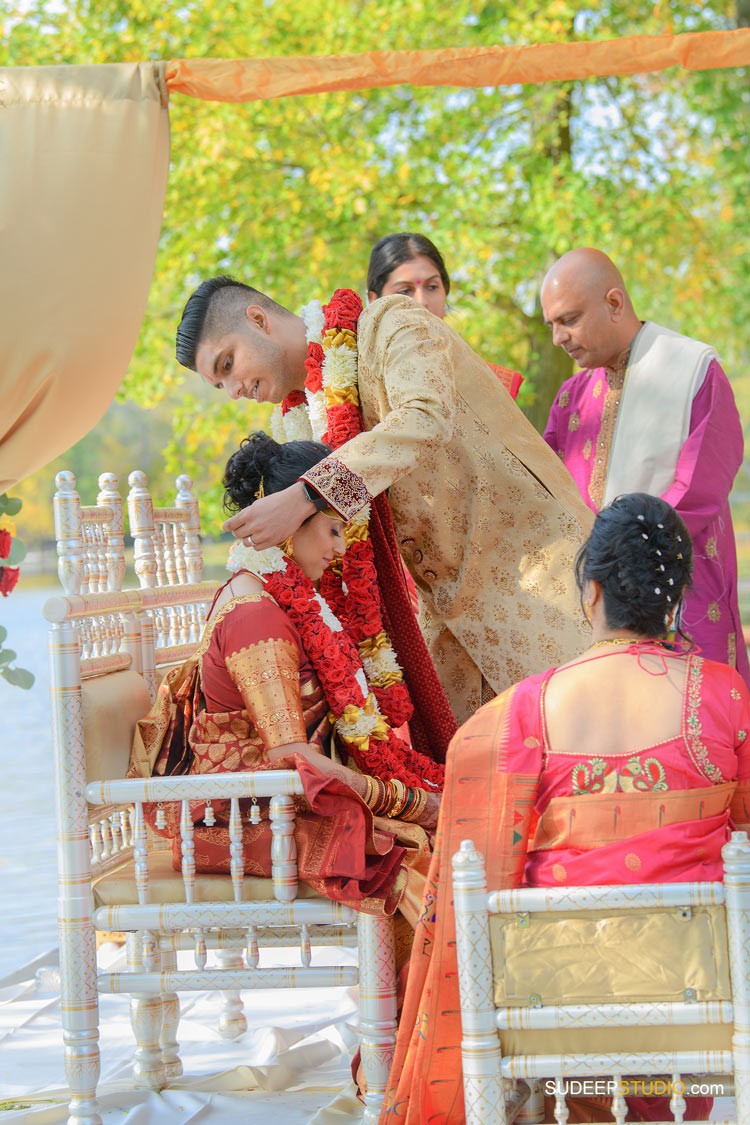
<point>214,309</point>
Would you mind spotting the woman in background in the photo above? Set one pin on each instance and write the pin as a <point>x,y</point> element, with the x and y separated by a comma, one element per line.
<point>412,265</point>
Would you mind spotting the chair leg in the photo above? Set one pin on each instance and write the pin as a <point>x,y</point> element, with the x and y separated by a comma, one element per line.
<point>736,855</point>
<point>533,1110</point>
<point>146,1021</point>
<point>170,1021</point>
<point>377,1007</point>
<point>79,1000</point>
<point>232,1022</point>
<point>484,1090</point>
<point>79,1007</point>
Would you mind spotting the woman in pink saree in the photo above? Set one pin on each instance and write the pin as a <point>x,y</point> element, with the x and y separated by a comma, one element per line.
<point>629,764</point>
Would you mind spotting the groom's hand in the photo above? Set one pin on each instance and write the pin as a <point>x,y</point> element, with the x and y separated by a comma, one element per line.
<point>272,519</point>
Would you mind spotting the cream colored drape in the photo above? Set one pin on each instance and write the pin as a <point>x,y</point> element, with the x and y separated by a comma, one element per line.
<point>84,154</point>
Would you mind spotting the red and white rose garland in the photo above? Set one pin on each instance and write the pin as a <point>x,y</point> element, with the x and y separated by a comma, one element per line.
<point>341,626</point>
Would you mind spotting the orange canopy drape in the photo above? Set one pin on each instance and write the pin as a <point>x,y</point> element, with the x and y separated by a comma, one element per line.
<point>244,80</point>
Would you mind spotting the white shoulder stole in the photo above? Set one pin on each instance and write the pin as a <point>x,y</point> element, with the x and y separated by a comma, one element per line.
<point>665,372</point>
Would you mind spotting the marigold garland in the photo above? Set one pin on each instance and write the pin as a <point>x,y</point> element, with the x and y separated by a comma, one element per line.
<point>359,722</point>
<point>354,659</point>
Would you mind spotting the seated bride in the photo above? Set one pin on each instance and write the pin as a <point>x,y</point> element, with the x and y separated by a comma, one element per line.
<point>278,682</point>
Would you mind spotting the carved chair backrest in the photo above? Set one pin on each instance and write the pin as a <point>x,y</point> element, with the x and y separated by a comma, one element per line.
<point>167,553</point>
<point>91,556</point>
<point>108,643</point>
<point>595,1018</point>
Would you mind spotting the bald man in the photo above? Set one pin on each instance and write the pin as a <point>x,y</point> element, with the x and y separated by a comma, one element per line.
<point>650,411</point>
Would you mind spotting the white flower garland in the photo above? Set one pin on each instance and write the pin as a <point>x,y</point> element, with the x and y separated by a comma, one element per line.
<point>383,667</point>
<point>314,318</point>
<point>340,368</point>
<point>297,423</point>
<point>270,561</point>
<point>317,420</point>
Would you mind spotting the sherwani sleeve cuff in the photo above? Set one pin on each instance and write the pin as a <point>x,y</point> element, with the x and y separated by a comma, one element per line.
<point>345,492</point>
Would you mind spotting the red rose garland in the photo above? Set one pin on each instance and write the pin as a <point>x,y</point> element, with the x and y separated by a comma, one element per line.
<point>352,591</point>
<point>336,660</point>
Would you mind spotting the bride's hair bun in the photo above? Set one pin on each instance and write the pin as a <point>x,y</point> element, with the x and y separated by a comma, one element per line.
<point>261,459</point>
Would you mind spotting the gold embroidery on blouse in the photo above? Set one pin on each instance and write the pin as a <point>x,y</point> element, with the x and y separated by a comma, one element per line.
<point>267,677</point>
<point>734,693</point>
<point>632,862</point>
<point>644,776</point>
<point>637,775</point>
<point>732,650</point>
<point>694,729</point>
<point>221,613</point>
<point>575,421</point>
<point>342,488</point>
<point>564,399</point>
<point>587,450</point>
<point>597,388</point>
<point>711,547</point>
<point>594,776</point>
<point>714,613</point>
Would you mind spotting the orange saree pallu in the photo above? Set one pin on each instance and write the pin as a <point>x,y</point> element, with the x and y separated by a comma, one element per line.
<point>662,813</point>
<point>250,689</point>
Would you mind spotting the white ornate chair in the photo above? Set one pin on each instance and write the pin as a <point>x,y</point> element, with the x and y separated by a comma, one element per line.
<point>109,647</point>
<point>603,982</point>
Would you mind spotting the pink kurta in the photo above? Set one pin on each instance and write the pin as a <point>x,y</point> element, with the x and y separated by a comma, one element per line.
<point>580,430</point>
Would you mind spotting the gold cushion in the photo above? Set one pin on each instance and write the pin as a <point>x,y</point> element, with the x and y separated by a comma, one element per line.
<point>611,957</point>
<point>111,705</point>
<point>117,887</point>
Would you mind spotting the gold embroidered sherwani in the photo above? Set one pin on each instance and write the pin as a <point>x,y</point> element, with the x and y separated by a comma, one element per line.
<point>487,519</point>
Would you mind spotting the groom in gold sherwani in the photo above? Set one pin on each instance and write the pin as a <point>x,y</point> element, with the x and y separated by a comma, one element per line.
<point>487,519</point>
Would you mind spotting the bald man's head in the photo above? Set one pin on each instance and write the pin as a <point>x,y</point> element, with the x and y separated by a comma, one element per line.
<point>587,306</point>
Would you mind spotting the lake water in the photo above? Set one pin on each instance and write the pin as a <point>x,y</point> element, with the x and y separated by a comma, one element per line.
<point>28,861</point>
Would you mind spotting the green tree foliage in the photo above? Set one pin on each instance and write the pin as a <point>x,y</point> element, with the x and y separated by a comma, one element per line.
<point>291,194</point>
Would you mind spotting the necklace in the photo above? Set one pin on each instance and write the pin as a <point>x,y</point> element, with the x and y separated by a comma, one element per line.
<point>616,641</point>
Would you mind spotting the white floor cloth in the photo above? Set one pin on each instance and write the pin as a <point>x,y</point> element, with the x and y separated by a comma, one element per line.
<point>290,1066</point>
